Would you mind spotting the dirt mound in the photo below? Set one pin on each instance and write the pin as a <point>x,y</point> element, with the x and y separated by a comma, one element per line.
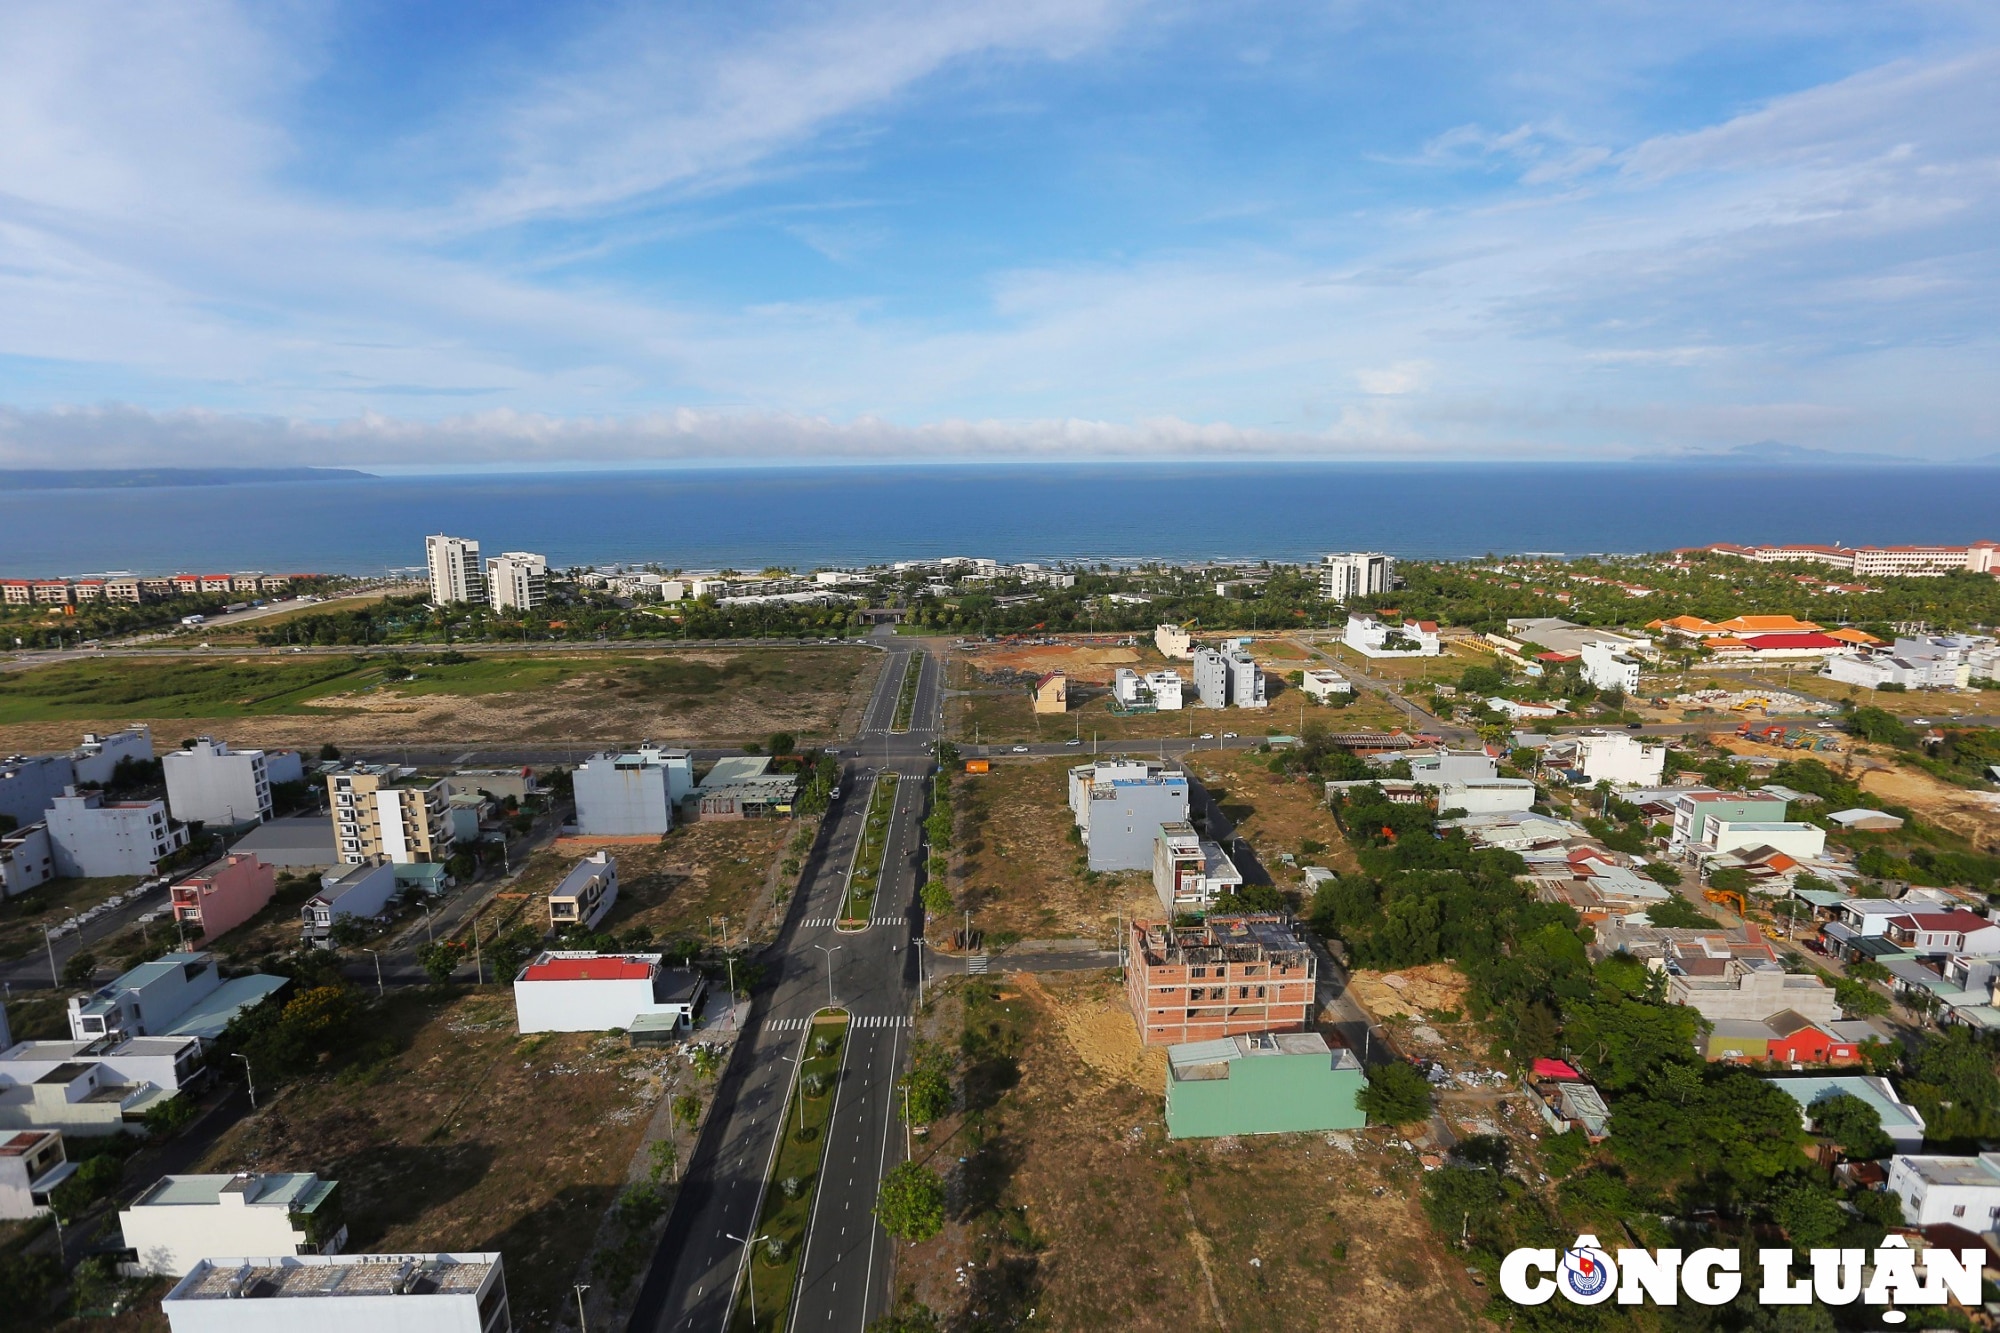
<point>1411,992</point>
<point>1104,1037</point>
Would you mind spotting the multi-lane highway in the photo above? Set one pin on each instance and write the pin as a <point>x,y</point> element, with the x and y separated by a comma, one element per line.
<point>870,972</point>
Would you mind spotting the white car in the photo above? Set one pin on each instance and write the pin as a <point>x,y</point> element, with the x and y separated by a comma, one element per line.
<point>1827,726</point>
<point>1074,740</point>
<point>1020,749</point>
<point>1229,735</point>
<point>1920,722</point>
<point>1208,735</point>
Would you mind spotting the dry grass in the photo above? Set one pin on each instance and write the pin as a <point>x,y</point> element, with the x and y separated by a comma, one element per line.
<point>1970,814</point>
<point>470,1137</point>
<point>1275,813</point>
<point>1073,1203</point>
<point>1015,864</point>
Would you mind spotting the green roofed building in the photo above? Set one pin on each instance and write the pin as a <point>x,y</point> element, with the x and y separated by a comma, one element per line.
<point>1261,1083</point>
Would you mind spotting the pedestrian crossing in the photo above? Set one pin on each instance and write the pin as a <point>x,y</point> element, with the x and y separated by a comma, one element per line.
<point>976,965</point>
<point>816,922</point>
<point>859,1021</point>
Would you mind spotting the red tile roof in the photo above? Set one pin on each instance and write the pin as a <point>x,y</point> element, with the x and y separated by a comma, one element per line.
<point>1965,921</point>
<point>589,969</point>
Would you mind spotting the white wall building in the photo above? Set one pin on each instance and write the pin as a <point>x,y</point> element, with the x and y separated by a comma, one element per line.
<point>342,1293</point>
<point>1358,574</point>
<point>178,1221</point>
<point>1487,796</point>
<point>454,570</point>
<point>587,893</point>
<point>1189,873</point>
<point>1606,666</point>
<point>1371,638</point>
<point>30,784</point>
<point>32,1164</point>
<point>97,758</point>
<point>1964,1191</point>
<point>1320,683</point>
<point>1211,678</point>
<point>27,858</point>
<point>165,1062</point>
<point>1928,663</point>
<point>631,794</point>
<point>517,581</point>
<point>1173,642</point>
<point>1246,681</point>
<point>94,839</point>
<point>1620,758</point>
<point>209,783</point>
<point>1159,690</point>
<point>360,891</point>
<point>1801,842</point>
<point>571,991</point>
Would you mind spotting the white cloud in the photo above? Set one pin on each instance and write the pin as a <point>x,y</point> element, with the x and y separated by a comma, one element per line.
<point>1403,377</point>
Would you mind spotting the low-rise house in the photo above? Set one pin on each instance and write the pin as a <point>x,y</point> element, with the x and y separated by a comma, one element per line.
<point>586,893</point>
<point>1859,820</point>
<point>1803,842</point>
<point>84,1098</point>
<point>1173,642</point>
<point>177,994</point>
<point>1567,1102</point>
<point>1900,1121</point>
<point>27,859</point>
<point>361,891</point>
<point>223,896</point>
<point>1788,1038</point>
<point>1523,710</point>
<point>469,815</point>
<point>1730,987</point>
<point>172,1063</point>
<point>210,783</point>
<point>293,842</point>
<point>96,839</point>
<point>1119,805</point>
<point>1230,975</point>
<point>1190,873</point>
<point>1155,691</point>
<point>496,783</point>
<point>1961,1191</point>
<point>1696,811</point>
<point>1052,693</point>
<point>32,1164</point>
<point>96,760</point>
<point>1484,796</point>
<point>1321,684</point>
<point>340,1293</point>
<point>744,787</point>
<point>575,991</point>
<point>1438,765</point>
<point>178,1221</point>
<point>632,794</point>
<point>1262,1083</point>
<point>1372,638</point>
<point>1937,934</point>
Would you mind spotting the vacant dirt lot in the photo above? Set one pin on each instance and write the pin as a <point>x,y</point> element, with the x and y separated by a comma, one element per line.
<point>1072,1203</point>
<point>470,1137</point>
<point>1275,813</point>
<point>1970,814</point>
<point>1015,865</point>
<point>583,700</point>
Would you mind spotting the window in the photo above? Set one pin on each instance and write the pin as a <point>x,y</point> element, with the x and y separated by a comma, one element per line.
<point>1958,1211</point>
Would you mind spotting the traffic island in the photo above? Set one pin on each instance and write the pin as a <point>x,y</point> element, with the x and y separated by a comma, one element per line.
<point>779,1238</point>
<point>865,876</point>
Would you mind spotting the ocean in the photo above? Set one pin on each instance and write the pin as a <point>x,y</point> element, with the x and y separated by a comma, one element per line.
<point>750,518</point>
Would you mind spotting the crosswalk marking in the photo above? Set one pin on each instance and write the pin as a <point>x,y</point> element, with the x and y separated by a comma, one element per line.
<point>859,1021</point>
<point>976,964</point>
<point>819,921</point>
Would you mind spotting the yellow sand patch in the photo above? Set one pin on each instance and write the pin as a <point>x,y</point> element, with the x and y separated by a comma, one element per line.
<point>1104,1037</point>
<point>1410,991</point>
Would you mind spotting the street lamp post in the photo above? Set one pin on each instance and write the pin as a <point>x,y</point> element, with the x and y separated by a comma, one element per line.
<point>829,951</point>
<point>749,1272</point>
<point>379,992</point>
<point>249,1079</point>
<point>55,977</point>
<point>582,1322</point>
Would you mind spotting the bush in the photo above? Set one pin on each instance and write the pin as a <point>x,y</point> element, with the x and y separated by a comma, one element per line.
<point>78,970</point>
<point>928,1095</point>
<point>911,1204</point>
<point>1396,1094</point>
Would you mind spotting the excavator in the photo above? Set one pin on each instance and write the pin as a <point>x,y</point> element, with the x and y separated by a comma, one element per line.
<point>1729,898</point>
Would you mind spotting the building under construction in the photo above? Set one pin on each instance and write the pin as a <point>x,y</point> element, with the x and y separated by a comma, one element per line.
<point>1231,974</point>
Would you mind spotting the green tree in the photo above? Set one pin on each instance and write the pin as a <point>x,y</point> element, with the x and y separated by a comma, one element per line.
<point>1809,1213</point>
<point>1396,1094</point>
<point>929,1092</point>
<point>1661,873</point>
<point>441,959</point>
<point>781,742</point>
<point>687,1110</point>
<point>1879,726</point>
<point>1951,1082</point>
<point>1853,1125</point>
<point>911,1204</point>
<point>78,970</point>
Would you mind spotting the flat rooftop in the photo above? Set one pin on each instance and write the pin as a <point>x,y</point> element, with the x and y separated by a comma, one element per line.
<point>320,1276</point>
<point>292,1189</point>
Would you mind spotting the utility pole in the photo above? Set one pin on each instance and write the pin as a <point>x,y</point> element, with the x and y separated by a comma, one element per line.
<point>55,977</point>
<point>379,992</point>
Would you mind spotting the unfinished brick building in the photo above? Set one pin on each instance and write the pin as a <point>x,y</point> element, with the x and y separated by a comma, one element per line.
<point>1230,974</point>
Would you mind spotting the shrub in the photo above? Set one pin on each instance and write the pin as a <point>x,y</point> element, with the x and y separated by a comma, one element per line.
<point>911,1204</point>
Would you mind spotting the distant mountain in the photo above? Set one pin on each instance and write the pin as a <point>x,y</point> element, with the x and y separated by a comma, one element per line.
<point>86,479</point>
<point>1766,453</point>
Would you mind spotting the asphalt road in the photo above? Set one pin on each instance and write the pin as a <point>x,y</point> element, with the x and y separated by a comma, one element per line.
<point>870,972</point>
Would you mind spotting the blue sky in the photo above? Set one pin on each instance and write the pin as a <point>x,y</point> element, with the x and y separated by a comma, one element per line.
<point>421,232</point>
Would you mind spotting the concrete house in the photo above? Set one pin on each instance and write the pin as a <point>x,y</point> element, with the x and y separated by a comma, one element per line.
<point>84,1098</point>
<point>209,783</point>
<point>1190,873</point>
<point>1963,1191</point>
<point>631,794</point>
<point>177,994</point>
<point>1262,1083</point>
<point>172,1063</point>
<point>1606,666</point>
<point>180,1220</point>
<point>1052,693</point>
<point>98,757</point>
<point>1696,811</point>
<point>1801,842</point>
<point>1321,684</point>
<point>32,1164</point>
<point>454,570</point>
<point>1738,988</point>
<point>517,581</point>
<point>27,858</point>
<point>1228,976</point>
<point>1211,678</point>
<point>1119,805</point>
<point>381,812</point>
<point>573,991</point>
<point>1937,934</point>
<point>1617,757</point>
<point>223,897</point>
<point>1900,1121</point>
<point>1173,642</point>
<point>342,1293</point>
<point>361,891</point>
<point>30,785</point>
<point>1485,796</point>
<point>1343,577</point>
<point>95,839</point>
<point>586,893</point>
<point>1371,638</point>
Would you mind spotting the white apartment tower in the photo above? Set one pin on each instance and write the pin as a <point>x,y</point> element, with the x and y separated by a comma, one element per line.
<point>1356,574</point>
<point>454,566</point>
<point>517,581</point>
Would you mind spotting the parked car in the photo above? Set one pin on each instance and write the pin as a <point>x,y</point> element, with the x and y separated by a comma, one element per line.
<point>1208,735</point>
<point>1074,740</point>
<point>1229,735</point>
<point>1020,749</point>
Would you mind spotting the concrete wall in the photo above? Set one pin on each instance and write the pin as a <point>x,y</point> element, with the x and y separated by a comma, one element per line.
<point>172,1238</point>
<point>217,785</point>
<point>29,785</point>
<point>1121,830</point>
<point>622,802</point>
